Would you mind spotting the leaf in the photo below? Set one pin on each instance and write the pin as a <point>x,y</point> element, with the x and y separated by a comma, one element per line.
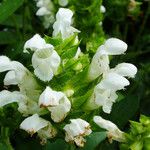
<point>7,37</point>
<point>8,7</point>
<point>57,145</point>
<point>70,53</point>
<point>13,21</point>
<point>93,140</point>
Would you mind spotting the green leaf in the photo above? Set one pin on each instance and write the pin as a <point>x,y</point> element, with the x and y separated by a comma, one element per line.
<point>93,140</point>
<point>7,37</point>
<point>8,7</point>
<point>57,145</point>
<point>13,21</point>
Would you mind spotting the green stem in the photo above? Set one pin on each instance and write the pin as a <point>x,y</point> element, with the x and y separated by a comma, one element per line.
<point>5,138</point>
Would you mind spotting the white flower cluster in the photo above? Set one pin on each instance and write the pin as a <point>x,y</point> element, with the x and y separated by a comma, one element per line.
<point>34,100</point>
<point>46,10</point>
<point>31,98</point>
<point>113,79</point>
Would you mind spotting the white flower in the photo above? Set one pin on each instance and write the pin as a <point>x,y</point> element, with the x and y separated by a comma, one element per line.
<point>113,81</point>
<point>35,43</point>
<point>63,23</point>
<point>18,75</point>
<point>10,78</point>
<point>46,10</point>
<point>46,63</point>
<point>35,124</point>
<point>99,65</point>
<point>102,9</point>
<point>125,69</point>
<point>105,98</point>
<point>5,64</point>
<point>7,97</point>
<point>63,2</point>
<point>42,11</point>
<point>50,97</point>
<point>113,132</point>
<point>113,46</point>
<point>76,131</point>
<point>56,102</point>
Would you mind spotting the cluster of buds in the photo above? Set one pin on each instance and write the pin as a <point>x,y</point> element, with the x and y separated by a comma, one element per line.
<point>55,85</point>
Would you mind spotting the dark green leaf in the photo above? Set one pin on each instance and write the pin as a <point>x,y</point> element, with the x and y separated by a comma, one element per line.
<point>8,7</point>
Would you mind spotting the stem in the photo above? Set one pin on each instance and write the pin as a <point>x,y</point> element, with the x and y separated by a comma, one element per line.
<point>5,138</point>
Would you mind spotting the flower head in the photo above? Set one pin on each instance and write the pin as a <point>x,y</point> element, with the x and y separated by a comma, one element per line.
<point>35,124</point>
<point>76,130</point>
<point>45,62</point>
<point>56,102</point>
<point>63,23</point>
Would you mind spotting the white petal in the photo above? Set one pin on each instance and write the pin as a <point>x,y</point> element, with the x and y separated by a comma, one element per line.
<point>45,63</point>
<point>7,97</point>
<point>64,14</point>
<point>99,65</point>
<point>76,130</point>
<point>5,64</point>
<point>36,42</point>
<point>113,131</point>
<point>33,124</point>
<point>40,3</point>
<point>106,124</point>
<point>10,78</point>
<point>114,46</point>
<point>49,98</point>
<point>47,132</point>
<point>126,70</point>
<point>113,81</point>
<point>42,11</point>
<point>59,112</point>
